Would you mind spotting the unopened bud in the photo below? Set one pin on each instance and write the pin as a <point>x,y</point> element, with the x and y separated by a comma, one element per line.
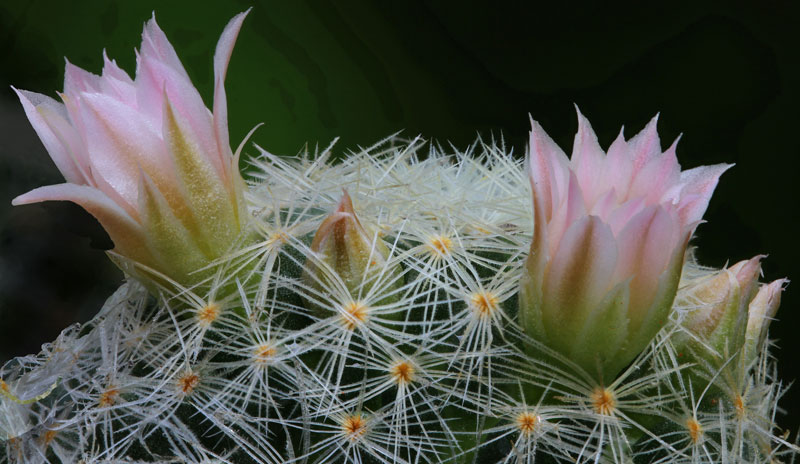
<point>348,254</point>
<point>720,301</point>
<point>761,311</point>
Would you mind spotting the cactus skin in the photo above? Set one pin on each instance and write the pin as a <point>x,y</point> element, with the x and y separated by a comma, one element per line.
<point>423,363</point>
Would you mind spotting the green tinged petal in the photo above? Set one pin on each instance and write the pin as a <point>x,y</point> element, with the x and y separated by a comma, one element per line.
<point>167,236</point>
<point>213,220</point>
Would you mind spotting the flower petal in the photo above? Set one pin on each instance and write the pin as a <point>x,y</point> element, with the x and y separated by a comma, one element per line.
<point>570,210</point>
<point>657,176</point>
<point>603,334</point>
<point>125,232</point>
<point>579,275</point>
<point>77,80</point>
<point>645,146</point>
<point>619,217</point>
<point>696,187</point>
<point>650,239</point>
<point>637,153</point>
<point>222,56</point>
<point>548,169</point>
<point>155,46</point>
<point>114,81</point>
<point>172,244</point>
<point>653,317</point>
<point>35,105</point>
<point>587,160</point>
<point>154,80</point>
<point>121,143</point>
<point>618,168</point>
<point>210,213</point>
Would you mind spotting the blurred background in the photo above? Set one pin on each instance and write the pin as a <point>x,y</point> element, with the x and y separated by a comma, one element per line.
<point>722,73</point>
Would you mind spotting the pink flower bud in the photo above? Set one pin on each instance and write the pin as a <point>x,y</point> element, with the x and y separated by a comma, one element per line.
<point>610,233</point>
<point>146,157</point>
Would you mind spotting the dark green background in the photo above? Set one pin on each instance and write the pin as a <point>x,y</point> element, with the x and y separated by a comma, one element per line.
<point>723,73</point>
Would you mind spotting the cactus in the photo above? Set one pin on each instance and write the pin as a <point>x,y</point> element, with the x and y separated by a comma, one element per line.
<point>381,324</point>
<point>424,362</point>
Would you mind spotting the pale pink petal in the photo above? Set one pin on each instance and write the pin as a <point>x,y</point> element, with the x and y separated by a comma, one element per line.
<point>648,320</point>
<point>604,204</point>
<point>155,46</point>
<point>587,160</point>
<point>149,92</point>
<point>57,148</point>
<point>548,169</point>
<point>747,270</point>
<point>697,185</point>
<point>121,142</point>
<point>111,69</point>
<point>125,232</point>
<point>618,218</point>
<point>105,186</point>
<point>570,210</point>
<point>72,106</point>
<point>78,80</point>
<point>222,57</point>
<point>187,104</point>
<point>222,54</point>
<point>657,176</point>
<point>580,272</point>
<point>650,239</point>
<point>72,141</point>
<point>618,168</point>
<point>645,145</point>
<point>155,81</point>
<point>152,78</point>
<point>114,81</point>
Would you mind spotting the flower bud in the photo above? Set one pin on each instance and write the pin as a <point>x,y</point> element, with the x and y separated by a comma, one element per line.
<point>718,306</point>
<point>350,257</point>
<point>610,234</point>
<point>760,313</point>
<point>146,157</point>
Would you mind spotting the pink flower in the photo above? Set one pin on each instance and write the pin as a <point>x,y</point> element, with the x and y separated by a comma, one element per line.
<point>145,156</point>
<point>610,233</point>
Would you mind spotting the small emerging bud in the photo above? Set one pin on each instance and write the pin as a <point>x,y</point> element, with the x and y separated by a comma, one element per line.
<point>347,253</point>
<point>721,303</point>
<point>761,311</point>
